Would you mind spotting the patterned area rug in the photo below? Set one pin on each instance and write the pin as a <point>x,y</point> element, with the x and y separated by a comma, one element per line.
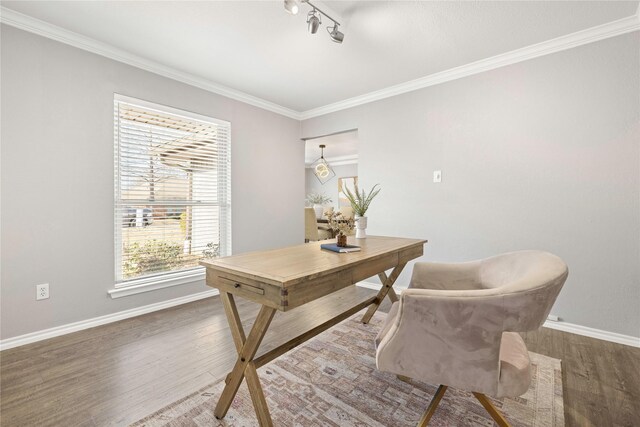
<point>332,381</point>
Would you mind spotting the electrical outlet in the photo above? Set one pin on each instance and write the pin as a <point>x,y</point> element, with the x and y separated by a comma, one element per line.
<point>42,291</point>
<point>437,176</point>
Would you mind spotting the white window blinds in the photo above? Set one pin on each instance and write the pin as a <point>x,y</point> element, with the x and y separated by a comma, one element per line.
<point>172,190</point>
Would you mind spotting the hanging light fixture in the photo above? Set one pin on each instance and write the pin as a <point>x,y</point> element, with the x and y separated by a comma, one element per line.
<point>321,168</point>
<point>314,19</point>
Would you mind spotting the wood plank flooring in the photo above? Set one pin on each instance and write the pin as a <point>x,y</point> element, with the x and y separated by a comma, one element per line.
<point>115,374</point>
<point>601,379</point>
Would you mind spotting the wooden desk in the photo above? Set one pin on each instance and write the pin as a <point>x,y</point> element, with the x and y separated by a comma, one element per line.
<point>283,279</point>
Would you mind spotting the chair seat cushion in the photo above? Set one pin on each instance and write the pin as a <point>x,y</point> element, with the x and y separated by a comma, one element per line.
<point>515,366</point>
<point>391,317</point>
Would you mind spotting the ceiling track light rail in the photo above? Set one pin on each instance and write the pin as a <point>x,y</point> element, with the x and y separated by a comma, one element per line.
<point>314,19</point>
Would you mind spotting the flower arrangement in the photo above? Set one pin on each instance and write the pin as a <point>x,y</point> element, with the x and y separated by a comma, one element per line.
<point>360,201</point>
<point>340,224</point>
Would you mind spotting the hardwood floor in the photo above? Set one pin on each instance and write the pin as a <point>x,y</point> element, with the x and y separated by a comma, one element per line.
<point>118,373</point>
<point>601,379</point>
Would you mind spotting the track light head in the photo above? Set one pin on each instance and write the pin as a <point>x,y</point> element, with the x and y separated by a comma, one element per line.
<point>292,6</point>
<point>313,21</point>
<point>335,35</point>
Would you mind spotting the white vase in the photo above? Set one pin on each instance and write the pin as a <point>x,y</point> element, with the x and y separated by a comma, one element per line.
<point>319,210</point>
<point>361,227</point>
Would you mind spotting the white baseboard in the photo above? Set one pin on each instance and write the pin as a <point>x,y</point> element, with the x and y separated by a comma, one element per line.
<point>559,325</point>
<point>102,320</point>
<point>126,314</point>
<point>593,333</point>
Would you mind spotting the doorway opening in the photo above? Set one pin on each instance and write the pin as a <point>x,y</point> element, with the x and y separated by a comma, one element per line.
<point>331,165</point>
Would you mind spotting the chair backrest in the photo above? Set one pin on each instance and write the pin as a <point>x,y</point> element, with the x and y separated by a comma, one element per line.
<point>529,282</point>
<point>310,225</point>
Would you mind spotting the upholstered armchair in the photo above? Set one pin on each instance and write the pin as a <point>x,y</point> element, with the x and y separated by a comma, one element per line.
<point>457,325</point>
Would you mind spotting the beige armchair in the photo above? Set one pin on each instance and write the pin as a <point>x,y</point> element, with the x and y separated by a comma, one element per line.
<point>312,232</point>
<point>457,324</point>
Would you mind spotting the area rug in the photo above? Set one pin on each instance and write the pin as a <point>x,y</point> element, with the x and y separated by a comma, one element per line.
<point>332,380</point>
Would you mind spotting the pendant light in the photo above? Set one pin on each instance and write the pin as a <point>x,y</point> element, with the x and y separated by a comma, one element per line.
<point>321,168</point>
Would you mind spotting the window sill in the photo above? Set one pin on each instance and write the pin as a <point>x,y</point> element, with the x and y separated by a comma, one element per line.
<point>151,284</point>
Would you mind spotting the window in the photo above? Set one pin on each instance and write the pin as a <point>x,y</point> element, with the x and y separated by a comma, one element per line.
<point>172,191</point>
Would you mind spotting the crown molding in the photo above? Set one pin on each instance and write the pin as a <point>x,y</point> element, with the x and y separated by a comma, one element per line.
<point>45,29</point>
<point>579,38</point>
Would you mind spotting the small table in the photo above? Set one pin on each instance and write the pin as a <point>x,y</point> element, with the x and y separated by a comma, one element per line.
<point>283,279</point>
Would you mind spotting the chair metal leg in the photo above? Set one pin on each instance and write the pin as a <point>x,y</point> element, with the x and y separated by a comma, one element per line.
<point>495,414</point>
<point>432,406</point>
<point>404,379</point>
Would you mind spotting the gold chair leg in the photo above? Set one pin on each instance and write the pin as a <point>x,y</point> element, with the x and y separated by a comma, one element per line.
<point>495,414</point>
<point>432,406</point>
<point>404,379</point>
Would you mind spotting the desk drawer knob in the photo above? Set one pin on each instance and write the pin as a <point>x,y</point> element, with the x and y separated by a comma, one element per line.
<point>237,285</point>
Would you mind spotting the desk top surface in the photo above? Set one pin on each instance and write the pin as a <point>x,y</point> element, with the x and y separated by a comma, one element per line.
<point>292,263</point>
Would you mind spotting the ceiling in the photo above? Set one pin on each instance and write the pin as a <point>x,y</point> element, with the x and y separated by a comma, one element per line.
<point>342,147</point>
<point>257,48</point>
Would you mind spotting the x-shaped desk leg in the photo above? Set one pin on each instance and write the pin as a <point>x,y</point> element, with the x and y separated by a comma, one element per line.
<point>387,283</point>
<point>244,367</point>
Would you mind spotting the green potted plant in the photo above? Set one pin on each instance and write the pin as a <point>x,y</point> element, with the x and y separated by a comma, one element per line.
<point>317,200</point>
<point>360,201</point>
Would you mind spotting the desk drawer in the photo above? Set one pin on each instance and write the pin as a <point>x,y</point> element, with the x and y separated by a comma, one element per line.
<point>262,293</point>
<point>242,286</point>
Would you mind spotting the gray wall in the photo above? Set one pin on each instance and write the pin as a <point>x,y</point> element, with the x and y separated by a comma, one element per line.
<point>330,188</point>
<point>541,154</point>
<point>57,178</point>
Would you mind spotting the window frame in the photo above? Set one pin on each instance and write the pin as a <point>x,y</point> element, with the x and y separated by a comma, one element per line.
<point>161,280</point>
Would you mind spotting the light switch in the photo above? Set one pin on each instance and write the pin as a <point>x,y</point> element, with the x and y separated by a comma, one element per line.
<point>437,176</point>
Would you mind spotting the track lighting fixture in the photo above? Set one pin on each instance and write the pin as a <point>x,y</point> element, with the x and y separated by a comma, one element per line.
<point>314,19</point>
<point>335,35</point>
<point>292,6</point>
